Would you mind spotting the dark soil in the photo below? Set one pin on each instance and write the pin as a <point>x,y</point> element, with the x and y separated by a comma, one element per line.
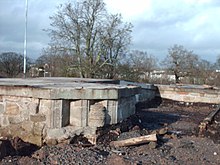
<point>178,141</point>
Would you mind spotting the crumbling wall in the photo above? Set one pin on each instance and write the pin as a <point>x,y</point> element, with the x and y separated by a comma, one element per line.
<point>19,117</point>
<point>189,93</point>
<point>39,109</point>
<point>32,118</point>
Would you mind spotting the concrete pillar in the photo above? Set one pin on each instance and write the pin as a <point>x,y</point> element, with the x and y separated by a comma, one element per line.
<point>56,111</point>
<point>79,113</point>
<point>112,108</point>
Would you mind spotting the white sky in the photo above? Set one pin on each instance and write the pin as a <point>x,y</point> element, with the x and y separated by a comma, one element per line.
<point>158,25</point>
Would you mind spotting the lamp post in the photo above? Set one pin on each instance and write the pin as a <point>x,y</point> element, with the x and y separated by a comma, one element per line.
<point>25,38</point>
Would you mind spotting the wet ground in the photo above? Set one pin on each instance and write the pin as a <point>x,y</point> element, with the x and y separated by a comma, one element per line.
<point>178,141</point>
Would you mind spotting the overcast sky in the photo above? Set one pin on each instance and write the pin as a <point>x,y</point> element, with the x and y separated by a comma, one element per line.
<point>158,25</point>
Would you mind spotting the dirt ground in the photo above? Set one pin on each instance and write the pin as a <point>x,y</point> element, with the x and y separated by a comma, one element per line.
<point>175,123</point>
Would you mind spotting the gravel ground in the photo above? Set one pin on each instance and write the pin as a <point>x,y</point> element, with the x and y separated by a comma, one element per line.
<point>178,142</point>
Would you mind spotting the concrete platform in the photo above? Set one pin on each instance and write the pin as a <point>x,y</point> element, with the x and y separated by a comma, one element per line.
<point>40,108</point>
<point>66,88</point>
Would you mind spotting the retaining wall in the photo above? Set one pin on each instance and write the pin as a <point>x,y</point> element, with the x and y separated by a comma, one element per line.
<point>189,93</point>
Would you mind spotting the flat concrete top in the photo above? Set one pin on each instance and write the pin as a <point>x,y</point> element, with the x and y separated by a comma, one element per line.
<point>189,86</point>
<point>58,82</point>
<point>65,88</point>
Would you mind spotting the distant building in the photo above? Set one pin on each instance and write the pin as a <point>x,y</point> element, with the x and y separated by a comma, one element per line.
<point>162,74</point>
<point>40,71</point>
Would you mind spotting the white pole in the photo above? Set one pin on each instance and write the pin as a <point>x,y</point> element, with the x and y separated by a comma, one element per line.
<point>25,38</point>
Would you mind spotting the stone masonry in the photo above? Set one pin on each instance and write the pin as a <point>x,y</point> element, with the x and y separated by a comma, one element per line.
<point>190,93</point>
<point>52,110</point>
<point>38,110</point>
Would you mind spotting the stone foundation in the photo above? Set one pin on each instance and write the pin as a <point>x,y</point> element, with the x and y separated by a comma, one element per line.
<point>55,109</point>
<point>52,110</point>
<point>190,93</point>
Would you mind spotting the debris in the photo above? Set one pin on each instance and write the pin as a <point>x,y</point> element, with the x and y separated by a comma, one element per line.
<point>152,145</point>
<point>135,141</point>
<point>136,127</point>
<point>210,117</point>
<point>51,142</point>
<point>163,131</point>
<point>208,120</point>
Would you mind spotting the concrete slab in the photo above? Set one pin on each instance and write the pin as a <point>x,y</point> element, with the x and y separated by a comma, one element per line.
<point>44,106</point>
<point>66,88</point>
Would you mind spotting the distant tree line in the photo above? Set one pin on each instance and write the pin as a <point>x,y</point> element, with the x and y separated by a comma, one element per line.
<point>136,65</point>
<point>11,64</point>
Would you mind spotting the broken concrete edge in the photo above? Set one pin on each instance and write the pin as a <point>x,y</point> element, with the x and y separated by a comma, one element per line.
<point>187,88</point>
<point>65,134</point>
<point>188,94</point>
<point>47,136</point>
<point>30,132</point>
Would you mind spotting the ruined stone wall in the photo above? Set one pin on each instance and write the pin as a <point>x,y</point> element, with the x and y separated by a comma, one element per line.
<point>189,94</point>
<point>32,118</point>
<point>116,110</point>
<point>19,116</point>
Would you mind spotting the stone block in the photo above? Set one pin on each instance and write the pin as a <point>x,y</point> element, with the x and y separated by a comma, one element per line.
<point>65,113</point>
<point>112,111</point>
<point>60,112</point>
<point>195,94</point>
<point>215,100</point>
<point>34,139</point>
<point>56,112</point>
<point>2,108</point>
<point>38,118</point>
<point>14,119</point>
<point>126,107</point>
<point>97,115</point>
<point>45,108</point>
<point>12,108</point>
<point>55,133</point>
<point>27,126</point>
<point>189,99</point>
<point>203,99</point>
<point>211,95</point>
<point>25,105</point>
<point>79,113</point>
<point>4,121</point>
<point>38,129</point>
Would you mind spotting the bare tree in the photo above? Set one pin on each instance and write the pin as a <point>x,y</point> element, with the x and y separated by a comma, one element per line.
<point>204,72</point>
<point>136,66</point>
<point>88,32</point>
<point>216,72</point>
<point>143,63</point>
<point>59,64</point>
<point>181,62</point>
<point>217,63</point>
<point>11,64</point>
